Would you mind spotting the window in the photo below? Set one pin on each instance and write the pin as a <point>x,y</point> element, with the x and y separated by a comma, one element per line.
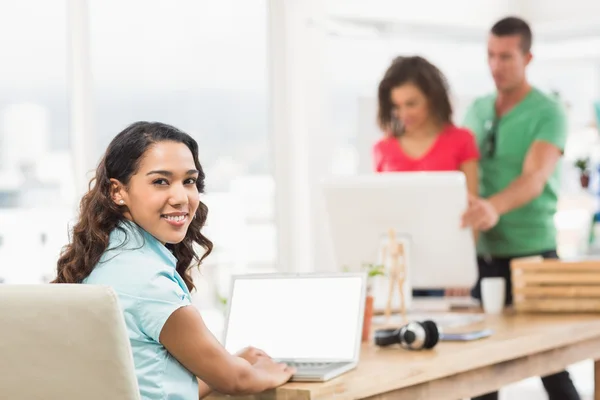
<point>202,67</point>
<point>36,183</point>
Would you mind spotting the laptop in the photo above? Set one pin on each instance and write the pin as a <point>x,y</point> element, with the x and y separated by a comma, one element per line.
<point>310,321</point>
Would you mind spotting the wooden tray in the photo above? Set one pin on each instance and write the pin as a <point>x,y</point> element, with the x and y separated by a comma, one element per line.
<point>556,286</point>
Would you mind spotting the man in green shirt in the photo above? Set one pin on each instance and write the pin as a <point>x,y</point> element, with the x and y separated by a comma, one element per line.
<point>521,134</point>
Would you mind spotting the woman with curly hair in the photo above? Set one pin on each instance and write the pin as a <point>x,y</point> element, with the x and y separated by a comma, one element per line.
<point>415,115</point>
<point>138,231</point>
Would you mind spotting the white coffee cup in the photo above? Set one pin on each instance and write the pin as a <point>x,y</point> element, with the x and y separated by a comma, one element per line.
<point>493,294</point>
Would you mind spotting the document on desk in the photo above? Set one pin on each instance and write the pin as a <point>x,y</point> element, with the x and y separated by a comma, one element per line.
<point>466,336</point>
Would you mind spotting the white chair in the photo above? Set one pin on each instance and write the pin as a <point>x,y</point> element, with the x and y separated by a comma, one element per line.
<point>64,342</point>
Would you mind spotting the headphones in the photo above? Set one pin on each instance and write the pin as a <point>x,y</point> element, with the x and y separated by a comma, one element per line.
<point>413,336</point>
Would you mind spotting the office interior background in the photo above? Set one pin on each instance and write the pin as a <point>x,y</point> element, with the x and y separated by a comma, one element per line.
<point>278,95</point>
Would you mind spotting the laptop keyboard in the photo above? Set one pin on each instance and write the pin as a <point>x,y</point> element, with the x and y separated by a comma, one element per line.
<point>309,365</point>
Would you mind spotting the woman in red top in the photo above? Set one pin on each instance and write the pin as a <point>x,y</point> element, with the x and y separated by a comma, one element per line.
<point>416,116</point>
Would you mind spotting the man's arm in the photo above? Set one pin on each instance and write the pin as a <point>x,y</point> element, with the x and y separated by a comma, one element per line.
<point>541,159</point>
<point>540,162</point>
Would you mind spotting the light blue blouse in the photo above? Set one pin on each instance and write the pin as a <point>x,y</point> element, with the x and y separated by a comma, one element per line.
<point>142,272</point>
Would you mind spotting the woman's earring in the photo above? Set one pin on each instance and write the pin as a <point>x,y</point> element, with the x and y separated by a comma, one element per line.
<point>121,202</point>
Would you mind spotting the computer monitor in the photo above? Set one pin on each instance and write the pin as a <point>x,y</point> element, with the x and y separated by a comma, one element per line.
<point>423,208</point>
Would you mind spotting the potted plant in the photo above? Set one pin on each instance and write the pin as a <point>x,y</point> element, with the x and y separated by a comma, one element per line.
<point>221,303</point>
<point>582,164</point>
<point>373,270</point>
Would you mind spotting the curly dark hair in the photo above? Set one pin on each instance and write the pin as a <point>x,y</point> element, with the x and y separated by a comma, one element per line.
<point>99,215</point>
<point>421,73</point>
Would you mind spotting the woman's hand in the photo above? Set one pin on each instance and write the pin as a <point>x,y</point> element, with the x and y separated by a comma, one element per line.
<point>275,373</point>
<point>187,338</point>
<point>251,354</point>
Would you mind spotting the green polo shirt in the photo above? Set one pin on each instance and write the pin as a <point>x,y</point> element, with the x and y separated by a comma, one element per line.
<point>529,229</point>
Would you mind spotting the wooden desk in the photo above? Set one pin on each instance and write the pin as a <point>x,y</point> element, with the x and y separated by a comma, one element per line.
<point>522,346</point>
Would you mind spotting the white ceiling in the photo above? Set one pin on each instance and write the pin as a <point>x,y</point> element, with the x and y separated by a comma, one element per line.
<point>551,20</point>
<point>444,12</point>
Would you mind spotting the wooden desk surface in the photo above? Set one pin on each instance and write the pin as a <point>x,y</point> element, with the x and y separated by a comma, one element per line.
<point>541,344</point>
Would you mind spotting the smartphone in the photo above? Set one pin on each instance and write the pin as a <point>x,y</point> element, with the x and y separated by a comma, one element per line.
<point>466,336</point>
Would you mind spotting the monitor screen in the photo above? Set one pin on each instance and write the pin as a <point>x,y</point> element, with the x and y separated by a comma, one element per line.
<point>313,318</point>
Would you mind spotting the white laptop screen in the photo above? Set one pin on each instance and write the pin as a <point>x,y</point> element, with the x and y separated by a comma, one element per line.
<point>312,318</point>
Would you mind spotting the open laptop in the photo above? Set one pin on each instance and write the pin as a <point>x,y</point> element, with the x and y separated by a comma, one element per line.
<point>310,321</point>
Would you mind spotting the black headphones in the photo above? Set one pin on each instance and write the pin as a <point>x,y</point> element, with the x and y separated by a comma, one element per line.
<point>413,336</point>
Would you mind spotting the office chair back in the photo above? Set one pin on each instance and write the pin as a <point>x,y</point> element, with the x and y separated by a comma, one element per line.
<point>64,342</point>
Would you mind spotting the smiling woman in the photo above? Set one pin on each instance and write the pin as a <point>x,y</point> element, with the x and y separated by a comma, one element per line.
<point>149,172</point>
<point>136,232</point>
<point>162,201</point>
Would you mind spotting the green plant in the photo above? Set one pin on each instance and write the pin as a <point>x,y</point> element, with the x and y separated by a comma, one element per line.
<point>222,301</point>
<point>582,164</point>
<point>374,270</point>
